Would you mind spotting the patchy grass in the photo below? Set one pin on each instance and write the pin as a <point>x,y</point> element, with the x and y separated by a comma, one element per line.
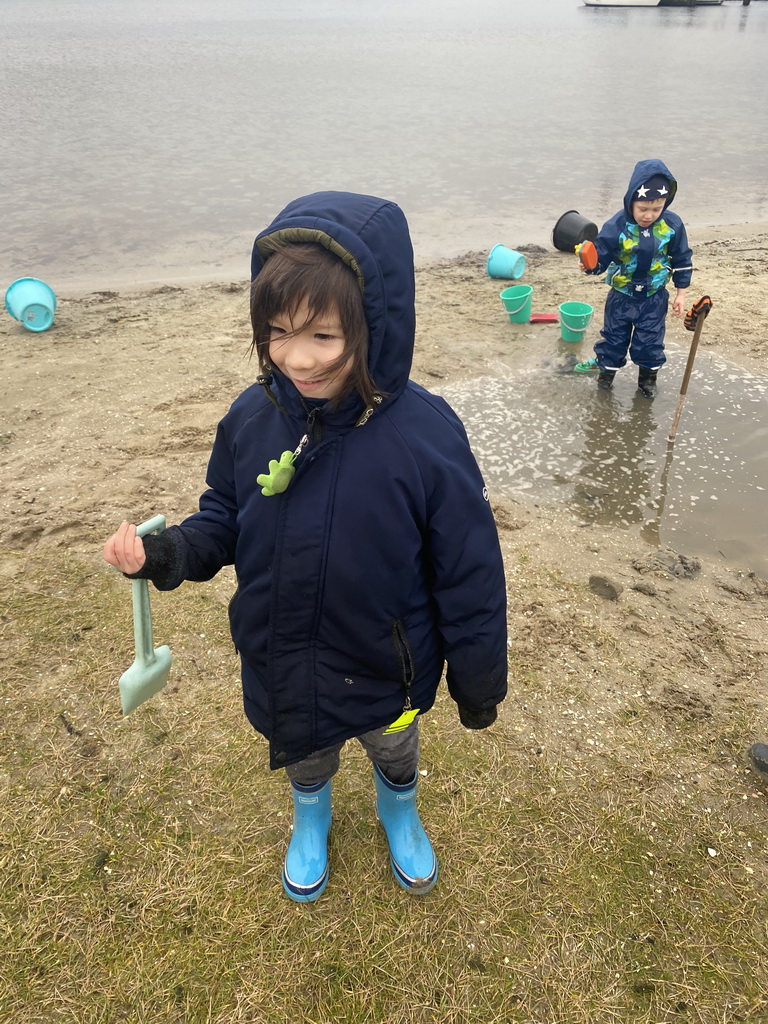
<point>600,861</point>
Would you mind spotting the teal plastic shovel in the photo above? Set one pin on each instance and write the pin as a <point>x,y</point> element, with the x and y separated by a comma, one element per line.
<point>149,672</point>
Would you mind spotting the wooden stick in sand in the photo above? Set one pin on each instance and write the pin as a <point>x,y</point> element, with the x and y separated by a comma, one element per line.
<point>694,321</point>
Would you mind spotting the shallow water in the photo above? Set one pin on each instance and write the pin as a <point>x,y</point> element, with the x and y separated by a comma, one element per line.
<point>542,433</point>
<point>148,140</point>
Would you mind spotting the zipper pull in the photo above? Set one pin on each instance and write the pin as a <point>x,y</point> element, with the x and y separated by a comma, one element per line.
<point>301,446</point>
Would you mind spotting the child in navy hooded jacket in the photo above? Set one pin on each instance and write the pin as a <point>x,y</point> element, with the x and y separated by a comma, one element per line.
<point>359,525</point>
<point>641,247</point>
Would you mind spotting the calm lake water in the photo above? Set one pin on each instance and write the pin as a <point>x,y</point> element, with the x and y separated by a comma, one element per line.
<point>151,140</point>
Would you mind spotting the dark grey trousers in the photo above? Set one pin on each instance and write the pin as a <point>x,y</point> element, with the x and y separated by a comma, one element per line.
<point>397,755</point>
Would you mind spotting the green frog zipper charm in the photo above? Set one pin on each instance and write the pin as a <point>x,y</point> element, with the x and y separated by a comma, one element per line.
<point>281,471</point>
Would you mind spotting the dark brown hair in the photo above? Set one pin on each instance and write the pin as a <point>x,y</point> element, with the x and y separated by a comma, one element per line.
<point>297,272</point>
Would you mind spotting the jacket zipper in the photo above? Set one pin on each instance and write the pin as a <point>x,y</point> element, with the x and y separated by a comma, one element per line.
<point>405,659</point>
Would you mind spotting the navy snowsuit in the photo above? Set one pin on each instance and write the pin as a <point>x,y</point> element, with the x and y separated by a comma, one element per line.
<point>381,560</point>
<point>639,262</point>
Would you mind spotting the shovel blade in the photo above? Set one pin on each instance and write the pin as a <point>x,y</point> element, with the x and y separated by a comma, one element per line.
<point>144,679</point>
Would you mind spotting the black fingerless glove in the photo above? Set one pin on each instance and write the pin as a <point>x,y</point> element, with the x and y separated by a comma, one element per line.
<point>159,550</point>
<point>472,719</point>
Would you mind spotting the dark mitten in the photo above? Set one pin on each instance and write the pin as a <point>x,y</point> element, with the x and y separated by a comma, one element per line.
<point>472,719</point>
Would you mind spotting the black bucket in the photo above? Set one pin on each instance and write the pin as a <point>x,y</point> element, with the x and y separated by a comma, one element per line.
<point>572,229</point>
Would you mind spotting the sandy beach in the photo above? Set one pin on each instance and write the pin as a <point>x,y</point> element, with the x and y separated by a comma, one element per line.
<point>602,847</point>
<point>110,414</point>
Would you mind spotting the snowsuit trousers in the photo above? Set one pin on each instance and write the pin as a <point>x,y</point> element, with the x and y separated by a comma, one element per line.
<point>636,326</point>
<point>397,754</point>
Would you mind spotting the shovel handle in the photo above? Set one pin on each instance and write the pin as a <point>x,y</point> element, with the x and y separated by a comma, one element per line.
<point>142,613</point>
<point>154,525</point>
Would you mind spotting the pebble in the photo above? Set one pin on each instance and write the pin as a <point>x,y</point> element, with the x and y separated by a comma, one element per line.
<point>605,587</point>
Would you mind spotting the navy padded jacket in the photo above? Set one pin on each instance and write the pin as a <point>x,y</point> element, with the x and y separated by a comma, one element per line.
<point>381,561</point>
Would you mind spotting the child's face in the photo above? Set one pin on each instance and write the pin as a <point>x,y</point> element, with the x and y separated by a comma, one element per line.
<point>303,350</point>
<point>645,213</point>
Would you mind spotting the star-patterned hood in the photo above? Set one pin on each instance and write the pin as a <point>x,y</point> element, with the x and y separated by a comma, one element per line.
<point>644,172</point>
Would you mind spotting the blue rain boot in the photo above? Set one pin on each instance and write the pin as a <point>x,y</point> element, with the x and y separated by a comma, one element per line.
<point>410,852</point>
<point>305,872</point>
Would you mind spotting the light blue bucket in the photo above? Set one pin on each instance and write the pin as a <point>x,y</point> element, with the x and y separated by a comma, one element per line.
<point>31,302</point>
<point>504,262</point>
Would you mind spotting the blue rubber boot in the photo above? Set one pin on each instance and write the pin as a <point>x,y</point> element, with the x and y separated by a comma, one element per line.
<point>410,852</point>
<point>305,872</point>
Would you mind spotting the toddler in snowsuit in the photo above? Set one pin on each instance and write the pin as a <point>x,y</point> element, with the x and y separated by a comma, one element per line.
<point>641,247</point>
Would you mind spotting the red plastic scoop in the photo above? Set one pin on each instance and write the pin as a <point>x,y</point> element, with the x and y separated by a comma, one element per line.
<point>544,318</point>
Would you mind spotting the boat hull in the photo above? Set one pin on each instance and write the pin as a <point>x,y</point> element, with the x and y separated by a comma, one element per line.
<point>621,3</point>
<point>652,3</point>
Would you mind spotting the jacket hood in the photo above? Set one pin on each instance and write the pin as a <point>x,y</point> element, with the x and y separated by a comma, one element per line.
<point>371,236</point>
<point>644,170</point>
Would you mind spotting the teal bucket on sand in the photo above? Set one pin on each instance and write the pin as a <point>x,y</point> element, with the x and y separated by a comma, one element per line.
<point>517,301</point>
<point>31,302</point>
<point>574,320</point>
<point>504,262</point>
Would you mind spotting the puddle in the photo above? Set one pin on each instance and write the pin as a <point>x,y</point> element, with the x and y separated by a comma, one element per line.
<point>546,435</point>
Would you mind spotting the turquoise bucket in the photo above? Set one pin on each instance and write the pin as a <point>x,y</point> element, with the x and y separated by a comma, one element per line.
<point>504,262</point>
<point>574,320</point>
<point>517,302</point>
<point>31,302</point>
